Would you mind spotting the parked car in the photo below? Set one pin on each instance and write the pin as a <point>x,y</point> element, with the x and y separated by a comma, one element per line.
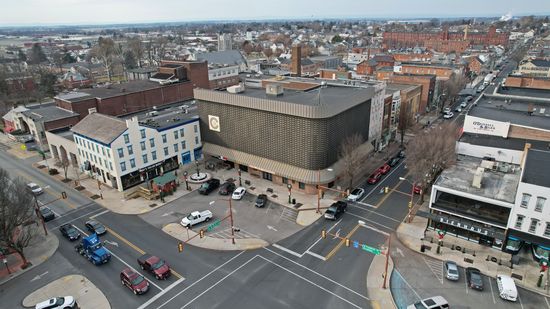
<point>464,104</point>
<point>47,214</point>
<point>261,201</point>
<point>401,154</point>
<point>196,217</point>
<point>446,110</point>
<point>393,161</point>
<point>36,189</point>
<point>417,189</point>
<point>458,109</point>
<point>209,186</point>
<point>451,270</point>
<point>474,279</point>
<point>227,188</point>
<point>155,265</point>
<point>507,288</point>
<point>384,169</point>
<point>95,227</point>
<point>335,210</point>
<point>436,302</point>
<point>448,115</point>
<point>69,231</point>
<point>356,194</point>
<point>134,281</point>
<point>58,303</point>
<point>238,193</point>
<point>374,177</point>
<point>469,98</point>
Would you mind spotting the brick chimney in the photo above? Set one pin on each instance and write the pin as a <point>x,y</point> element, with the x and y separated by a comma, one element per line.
<point>296,61</point>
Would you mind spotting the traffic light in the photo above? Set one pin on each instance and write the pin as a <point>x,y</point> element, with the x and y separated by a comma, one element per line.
<point>201,233</point>
<point>180,247</point>
<point>347,242</point>
<point>410,204</point>
<point>64,195</point>
<point>386,189</point>
<point>324,234</point>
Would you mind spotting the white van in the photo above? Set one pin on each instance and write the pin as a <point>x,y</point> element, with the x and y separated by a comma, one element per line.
<point>507,288</point>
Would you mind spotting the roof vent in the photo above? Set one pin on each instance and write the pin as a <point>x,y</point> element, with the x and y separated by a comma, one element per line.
<point>478,177</point>
<point>274,89</point>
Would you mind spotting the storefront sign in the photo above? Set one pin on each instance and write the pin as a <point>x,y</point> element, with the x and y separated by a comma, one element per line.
<point>464,226</point>
<point>214,123</point>
<point>486,126</point>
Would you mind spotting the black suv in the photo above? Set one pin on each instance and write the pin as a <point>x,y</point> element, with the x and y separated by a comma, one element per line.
<point>209,186</point>
<point>69,231</point>
<point>336,210</point>
<point>227,188</point>
<point>261,200</point>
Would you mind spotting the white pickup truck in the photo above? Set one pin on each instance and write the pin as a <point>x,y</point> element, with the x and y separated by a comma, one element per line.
<point>196,217</point>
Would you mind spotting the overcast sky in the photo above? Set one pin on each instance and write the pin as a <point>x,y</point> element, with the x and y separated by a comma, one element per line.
<point>31,12</point>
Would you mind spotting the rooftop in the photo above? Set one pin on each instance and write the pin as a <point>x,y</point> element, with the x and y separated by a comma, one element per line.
<point>494,185</point>
<point>168,117</point>
<point>526,92</point>
<point>513,111</point>
<point>501,142</point>
<point>102,128</point>
<point>48,113</point>
<point>537,169</point>
<point>110,91</point>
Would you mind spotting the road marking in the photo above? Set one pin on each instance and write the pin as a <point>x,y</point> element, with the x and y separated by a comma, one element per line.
<point>320,257</point>
<point>309,281</point>
<point>407,283</point>
<point>436,268</point>
<point>318,274</point>
<point>99,214</point>
<point>121,260</point>
<point>492,291</point>
<point>520,302</point>
<point>466,281</point>
<point>365,204</point>
<point>337,234</point>
<point>341,243</point>
<point>158,295</point>
<point>70,212</point>
<point>200,279</point>
<point>113,243</point>
<point>399,251</point>
<point>269,227</point>
<point>385,178</point>
<point>375,304</point>
<point>38,277</point>
<point>46,188</point>
<point>373,222</point>
<point>375,229</point>
<point>288,250</point>
<point>546,299</point>
<point>219,281</point>
<point>391,191</point>
<point>79,217</point>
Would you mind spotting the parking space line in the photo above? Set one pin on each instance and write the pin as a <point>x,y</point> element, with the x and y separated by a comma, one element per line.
<point>318,274</point>
<point>492,291</point>
<point>407,283</point>
<point>219,281</point>
<point>199,280</point>
<point>121,260</point>
<point>520,302</point>
<point>341,243</point>
<point>158,295</point>
<point>309,281</point>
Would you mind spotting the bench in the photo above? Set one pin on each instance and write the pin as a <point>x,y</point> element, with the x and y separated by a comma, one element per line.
<point>270,190</point>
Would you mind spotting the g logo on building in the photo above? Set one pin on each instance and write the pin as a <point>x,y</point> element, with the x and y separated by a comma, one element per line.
<point>214,123</point>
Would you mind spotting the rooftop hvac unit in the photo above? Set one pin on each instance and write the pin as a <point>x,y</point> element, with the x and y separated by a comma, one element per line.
<point>274,89</point>
<point>236,89</point>
<point>478,177</point>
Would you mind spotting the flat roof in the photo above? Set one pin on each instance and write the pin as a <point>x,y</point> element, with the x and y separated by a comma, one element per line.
<point>513,111</point>
<point>537,168</point>
<point>494,185</point>
<point>526,92</point>
<point>167,117</point>
<point>48,113</point>
<point>501,142</point>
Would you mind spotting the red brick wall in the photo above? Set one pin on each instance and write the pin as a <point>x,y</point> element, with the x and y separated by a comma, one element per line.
<point>384,75</point>
<point>441,72</point>
<point>80,107</point>
<point>61,123</point>
<point>334,74</point>
<point>527,82</point>
<point>197,72</point>
<point>229,81</point>
<point>362,68</point>
<point>426,82</point>
<point>412,57</point>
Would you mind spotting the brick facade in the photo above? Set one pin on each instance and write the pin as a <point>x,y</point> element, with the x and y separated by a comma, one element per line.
<point>527,82</point>
<point>439,71</point>
<point>427,83</point>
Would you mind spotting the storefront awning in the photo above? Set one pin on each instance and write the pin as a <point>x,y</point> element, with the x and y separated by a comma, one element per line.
<point>165,178</point>
<point>468,225</point>
<point>533,239</point>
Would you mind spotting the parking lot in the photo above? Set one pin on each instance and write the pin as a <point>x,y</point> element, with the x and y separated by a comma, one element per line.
<point>270,223</point>
<point>417,277</point>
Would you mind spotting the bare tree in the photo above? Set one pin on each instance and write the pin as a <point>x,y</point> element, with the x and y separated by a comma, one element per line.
<point>58,58</point>
<point>16,212</point>
<point>431,152</point>
<point>63,163</point>
<point>404,121</point>
<point>137,48</point>
<point>452,87</point>
<point>351,156</point>
<point>105,51</point>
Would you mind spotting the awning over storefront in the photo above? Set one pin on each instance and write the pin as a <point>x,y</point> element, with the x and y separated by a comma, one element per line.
<point>533,239</point>
<point>165,178</point>
<point>468,225</point>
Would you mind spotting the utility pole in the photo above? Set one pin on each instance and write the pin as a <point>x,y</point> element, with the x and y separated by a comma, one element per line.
<point>387,261</point>
<point>39,215</point>
<point>231,221</point>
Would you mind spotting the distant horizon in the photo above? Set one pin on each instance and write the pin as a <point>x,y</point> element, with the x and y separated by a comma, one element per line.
<point>122,12</point>
<point>266,19</point>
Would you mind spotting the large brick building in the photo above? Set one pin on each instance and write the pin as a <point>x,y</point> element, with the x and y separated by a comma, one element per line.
<point>444,41</point>
<point>291,136</point>
<point>427,83</point>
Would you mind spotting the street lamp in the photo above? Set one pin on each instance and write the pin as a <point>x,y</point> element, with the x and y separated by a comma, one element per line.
<point>412,196</point>
<point>289,186</point>
<point>186,182</point>
<point>197,166</point>
<point>319,190</point>
<point>240,182</point>
<point>230,218</point>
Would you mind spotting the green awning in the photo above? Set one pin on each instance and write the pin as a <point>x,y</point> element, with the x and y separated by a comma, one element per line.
<point>164,179</point>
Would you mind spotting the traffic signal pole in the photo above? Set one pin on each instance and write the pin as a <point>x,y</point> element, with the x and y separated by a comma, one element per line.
<point>387,262</point>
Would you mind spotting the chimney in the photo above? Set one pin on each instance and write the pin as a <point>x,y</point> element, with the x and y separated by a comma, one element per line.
<point>525,151</point>
<point>296,64</point>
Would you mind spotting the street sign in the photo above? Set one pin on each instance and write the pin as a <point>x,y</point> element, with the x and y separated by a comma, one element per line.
<point>213,225</point>
<point>371,249</point>
<point>355,244</point>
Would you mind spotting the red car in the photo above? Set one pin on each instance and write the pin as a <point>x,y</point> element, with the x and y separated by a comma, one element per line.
<point>374,177</point>
<point>417,189</point>
<point>384,169</point>
<point>134,281</point>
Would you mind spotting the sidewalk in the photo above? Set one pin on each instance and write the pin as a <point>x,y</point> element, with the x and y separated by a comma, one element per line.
<point>380,297</point>
<point>469,254</point>
<point>86,294</point>
<point>40,249</point>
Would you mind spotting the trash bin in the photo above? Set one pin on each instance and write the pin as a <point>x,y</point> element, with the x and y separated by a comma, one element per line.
<point>293,201</point>
<point>422,248</point>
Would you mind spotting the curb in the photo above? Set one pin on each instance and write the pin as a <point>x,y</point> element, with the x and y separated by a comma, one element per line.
<point>374,289</point>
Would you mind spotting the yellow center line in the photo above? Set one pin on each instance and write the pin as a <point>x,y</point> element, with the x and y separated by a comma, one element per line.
<point>138,249</point>
<point>335,249</point>
<point>389,193</point>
